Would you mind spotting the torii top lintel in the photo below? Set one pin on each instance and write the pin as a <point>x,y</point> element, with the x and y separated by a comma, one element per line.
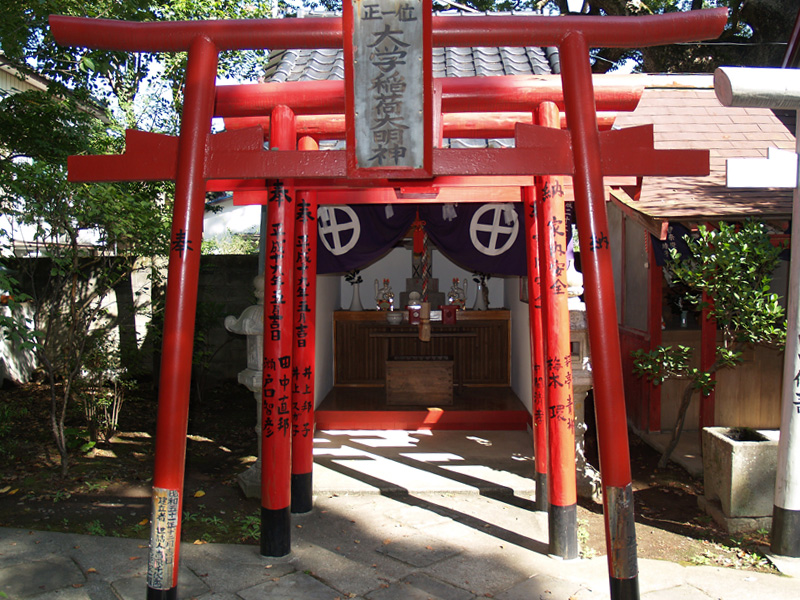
<point>326,32</point>
<point>237,155</point>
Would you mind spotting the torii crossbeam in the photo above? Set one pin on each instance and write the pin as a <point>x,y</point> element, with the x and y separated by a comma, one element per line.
<point>197,156</point>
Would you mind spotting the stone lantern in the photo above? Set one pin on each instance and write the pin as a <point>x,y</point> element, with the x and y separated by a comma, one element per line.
<point>251,324</point>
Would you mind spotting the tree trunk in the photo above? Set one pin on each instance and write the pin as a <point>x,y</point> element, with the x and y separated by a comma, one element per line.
<point>686,400</point>
<point>57,419</point>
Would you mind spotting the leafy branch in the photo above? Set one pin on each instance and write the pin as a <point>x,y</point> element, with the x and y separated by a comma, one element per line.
<point>733,266</point>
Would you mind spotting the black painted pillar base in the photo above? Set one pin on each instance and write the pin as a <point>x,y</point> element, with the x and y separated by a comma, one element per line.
<point>170,594</point>
<point>785,533</point>
<point>302,493</point>
<point>624,589</point>
<point>541,492</point>
<point>276,539</point>
<point>563,529</point>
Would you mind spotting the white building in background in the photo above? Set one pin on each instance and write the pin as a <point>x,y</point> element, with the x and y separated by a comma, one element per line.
<point>223,220</point>
<point>15,363</point>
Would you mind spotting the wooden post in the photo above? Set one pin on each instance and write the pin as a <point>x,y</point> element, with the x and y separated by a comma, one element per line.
<point>779,88</point>
<point>276,438</point>
<point>179,317</point>
<point>601,310</point>
<point>708,354</point>
<point>304,355</point>
<point>651,419</point>
<point>560,418</point>
<point>535,316</point>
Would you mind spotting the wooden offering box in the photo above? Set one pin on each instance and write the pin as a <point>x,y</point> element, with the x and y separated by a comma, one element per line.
<point>426,381</point>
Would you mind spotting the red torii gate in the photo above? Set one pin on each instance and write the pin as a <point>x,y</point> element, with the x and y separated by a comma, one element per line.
<point>196,157</point>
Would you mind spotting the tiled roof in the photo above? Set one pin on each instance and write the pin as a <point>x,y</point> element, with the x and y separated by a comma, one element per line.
<point>319,64</point>
<point>685,113</point>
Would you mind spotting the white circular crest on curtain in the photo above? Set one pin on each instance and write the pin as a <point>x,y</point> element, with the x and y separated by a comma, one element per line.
<point>502,227</point>
<point>333,222</point>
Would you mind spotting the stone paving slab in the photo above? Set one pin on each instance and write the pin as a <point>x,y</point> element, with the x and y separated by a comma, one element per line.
<point>420,586</point>
<point>346,575</point>
<point>230,576</point>
<point>23,544</point>
<point>189,586</point>
<point>418,550</point>
<point>484,571</point>
<point>785,564</point>
<point>28,578</point>
<point>718,582</point>
<point>297,586</point>
<point>545,587</point>
<point>90,591</point>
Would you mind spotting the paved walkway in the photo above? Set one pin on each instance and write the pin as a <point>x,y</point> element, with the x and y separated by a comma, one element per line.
<point>475,538</point>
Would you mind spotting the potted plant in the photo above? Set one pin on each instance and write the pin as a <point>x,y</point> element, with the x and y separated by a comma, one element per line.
<point>354,279</point>
<point>482,294</point>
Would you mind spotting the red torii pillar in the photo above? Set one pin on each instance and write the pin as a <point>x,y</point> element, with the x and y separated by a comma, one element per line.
<point>178,337</point>
<point>536,324</point>
<point>560,414</point>
<point>276,401</point>
<point>304,359</point>
<point>593,233</point>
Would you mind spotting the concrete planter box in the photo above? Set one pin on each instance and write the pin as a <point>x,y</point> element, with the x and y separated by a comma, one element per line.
<point>739,468</point>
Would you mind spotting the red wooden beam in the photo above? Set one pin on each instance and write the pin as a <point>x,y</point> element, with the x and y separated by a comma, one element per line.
<point>482,184</point>
<point>455,125</point>
<point>630,151</point>
<point>459,95</point>
<point>326,32</point>
<point>147,157</point>
<point>238,154</point>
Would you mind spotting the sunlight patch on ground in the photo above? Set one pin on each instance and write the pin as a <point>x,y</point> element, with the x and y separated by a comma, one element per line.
<point>432,456</point>
<point>490,475</point>
<point>381,439</point>
<point>397,474</point>
<point>340,451</point>
<point>131,437</point>
<point>103,453</point>
<point>479,440</point>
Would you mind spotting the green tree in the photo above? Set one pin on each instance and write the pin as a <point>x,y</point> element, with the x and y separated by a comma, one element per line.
<point>90,236</point>
<point>733,266</point>
<point>755,36</point>
<point>756,33</point>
